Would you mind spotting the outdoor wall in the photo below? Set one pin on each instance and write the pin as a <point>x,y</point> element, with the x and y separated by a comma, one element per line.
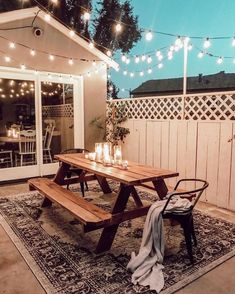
<point>200,146</point>
<point>95,94</point>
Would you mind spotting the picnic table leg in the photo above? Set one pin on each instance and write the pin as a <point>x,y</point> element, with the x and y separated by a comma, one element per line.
<point>108,233</point>
<point>103,184</point>
<point>59,177</point>
<point>160,187</point>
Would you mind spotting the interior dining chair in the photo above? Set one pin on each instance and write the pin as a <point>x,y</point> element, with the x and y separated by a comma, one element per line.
<point>185,216</point>
<point>47,138</point>
<point>27,147</point>
<point>6,158</point>
<point>75,170</point>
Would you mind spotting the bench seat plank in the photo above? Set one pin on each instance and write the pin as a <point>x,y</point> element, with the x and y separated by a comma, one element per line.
<point>83,210</point>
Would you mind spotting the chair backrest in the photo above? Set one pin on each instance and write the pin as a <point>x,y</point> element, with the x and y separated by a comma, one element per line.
<point>193,194</point>
<point>27,143</point>
<point>75,150</point>
<point>48,136</point>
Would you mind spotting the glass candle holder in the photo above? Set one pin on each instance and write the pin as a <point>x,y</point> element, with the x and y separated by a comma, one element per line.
<point>124,164</point>
<point>117,154</point>
<point>99,152</point>
<point>92,156</point>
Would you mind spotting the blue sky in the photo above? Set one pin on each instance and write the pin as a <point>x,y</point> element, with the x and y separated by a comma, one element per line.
<point>206,18</point>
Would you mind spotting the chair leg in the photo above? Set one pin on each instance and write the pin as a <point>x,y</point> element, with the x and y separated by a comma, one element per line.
<point>82,188</point>
<point>187,227</point>
<point>193,232</point>
<point>49,154</point>
<point>86,186</point>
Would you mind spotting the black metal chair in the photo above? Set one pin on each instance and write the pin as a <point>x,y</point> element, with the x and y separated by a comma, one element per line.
<point>185,217</point>
<point>75,170</point>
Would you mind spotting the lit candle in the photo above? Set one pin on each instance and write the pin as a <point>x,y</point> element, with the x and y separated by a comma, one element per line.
<point>98,151</point>
<point>117,154</point>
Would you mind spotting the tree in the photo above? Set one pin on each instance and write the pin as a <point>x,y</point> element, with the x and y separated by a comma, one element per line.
<point>112,90</point>
<point>108,16</point>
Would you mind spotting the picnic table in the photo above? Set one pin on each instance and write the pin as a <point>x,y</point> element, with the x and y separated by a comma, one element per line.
<point>90,215</point>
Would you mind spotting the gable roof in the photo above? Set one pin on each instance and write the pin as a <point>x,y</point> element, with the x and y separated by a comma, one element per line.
<point>218,81</point>
<point>21,14</point>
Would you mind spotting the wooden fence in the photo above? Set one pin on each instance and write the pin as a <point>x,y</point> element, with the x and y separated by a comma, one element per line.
<point>197,141</point>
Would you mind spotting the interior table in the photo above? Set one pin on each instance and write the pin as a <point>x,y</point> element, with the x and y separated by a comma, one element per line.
<point>135,175</point>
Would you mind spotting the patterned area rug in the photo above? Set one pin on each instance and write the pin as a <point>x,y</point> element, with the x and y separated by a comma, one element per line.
<point>63,259</point>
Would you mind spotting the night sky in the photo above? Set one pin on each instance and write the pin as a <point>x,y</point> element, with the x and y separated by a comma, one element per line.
<point>205,18</point>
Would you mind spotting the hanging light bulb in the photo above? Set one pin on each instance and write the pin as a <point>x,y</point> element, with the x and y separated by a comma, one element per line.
<point>160,57</point>
<point>160,65</point>
<point>72,33</point>
<point>88,74</point>
<point>200,54</point>
<point>118,27</point>
<point>178,42</point>
<point>128,60</point>
<point>149,59</point>
<point>190,47</point>
<point>233,42</point>
<point>169,55</point>
<point>22,66</point>
<point>49,76</point>
<point>36,72</point>
<point>110,88</point>
<point>137,59</point>
<point>125,72</point>
<point>32,52</point>
<point>149,71</point>
<point>141,73</point>
<point>149,36</point>
<point>207,43</point>
<point>94,63</point>
<point>86,16</point>
<point>123,58</point>
<point>12,45</point>
<point>143,57</point>
<point>91,45</point>
<point>51,57</point>
<point>172,48</point>
<point>7,59</point>
<point>158,53</point>
<point>132,74</point>
<point>109,53</point>
<point>70,61</point>
<point>220,60</point>
<point>234,60</point>
<point>47,17</point>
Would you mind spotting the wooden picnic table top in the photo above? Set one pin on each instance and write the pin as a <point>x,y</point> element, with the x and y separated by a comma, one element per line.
<point>135,174</point>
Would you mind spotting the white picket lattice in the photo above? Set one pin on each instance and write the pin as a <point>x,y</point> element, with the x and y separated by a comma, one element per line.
<point>65,110</point>
<point>206,106</point>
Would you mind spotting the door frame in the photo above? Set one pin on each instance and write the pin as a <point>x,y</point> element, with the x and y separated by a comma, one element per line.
<point>41,169</point>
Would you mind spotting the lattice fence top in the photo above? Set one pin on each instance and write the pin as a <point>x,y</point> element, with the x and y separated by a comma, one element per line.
<point>64,110</point>
<point>213,106</point>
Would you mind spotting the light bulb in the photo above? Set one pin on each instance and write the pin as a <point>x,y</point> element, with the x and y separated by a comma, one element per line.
<point>200,54</point>
<point>178,42</point>
<point>132,74</point>
<point>149,36</point>
<point>7,59</point>
<point>149,59</point>
<point>149,71</point>
<point>88,74</point>
<point>169,55</point>
<point>207,43</point>
<point>87,16</point>
<point>47,17</point>
<point>123,58</point>
<point>110,88</point>
<point>160,65</point>
<point>118,27</point>
<point>141,73</point>
<point>137,59</point>
<point>233,42</point>
<point>190,47</point>
<point>160,57</point>
<point>234,60</point>
<point>32,52</point>
<point>70,61</point>
<point>158,53</point>
<point>109,53</point>
<point>51,57</point>
<point>22,66</point>
<point>94,63</point>
<point>125,72</point>
<point>12,45</point>
<point>219,60</point>
<point>172,48</point>
<point>143,57</point>
<point>128,60</point>
<point>91,45</point>
<point>72,33</point>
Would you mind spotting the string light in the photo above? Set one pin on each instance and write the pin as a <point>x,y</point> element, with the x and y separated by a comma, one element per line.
<point>22,66</point>
<point>160,65</point>
<point>12,45</point>
<point>137,59</point>
<point>91,45</point>
<point>149,59</point>
<point>219,60</point>
<point>32,52</point>
<point>47,17</point>
<point>70,61</point>
<point>72,33</point>
<point>128,60</point>
<point>109,53</point>
<point>141,73</point>
<point>7,59</point>
<point>200,54</point>
<point>150,71</point>
<point>118,27</point>
<point>143,57</point>
<point>149,36</point>
<point>233,42</point>
<point>132,74</point>
<point>51,57</point>
<point>207,43</point>
<point>178,42</point>
<point>86,16</point>
<point>190,47</point>
<point>125,72</point>
<point>123,58</point>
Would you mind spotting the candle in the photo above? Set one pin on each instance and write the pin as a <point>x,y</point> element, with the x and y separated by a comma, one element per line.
<point>117,154</point>
<point>99,151</point>
<point>125,164</point>
<point>9,133</point>
<point>92,156</point>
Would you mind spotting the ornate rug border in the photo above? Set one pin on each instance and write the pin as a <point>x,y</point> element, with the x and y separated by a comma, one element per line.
<point>34,268</point>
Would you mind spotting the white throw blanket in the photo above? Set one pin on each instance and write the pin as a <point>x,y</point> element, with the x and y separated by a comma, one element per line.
<point>147,265</point>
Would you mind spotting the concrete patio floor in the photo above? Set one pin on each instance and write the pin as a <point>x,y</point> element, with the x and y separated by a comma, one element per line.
<point>17,278</point>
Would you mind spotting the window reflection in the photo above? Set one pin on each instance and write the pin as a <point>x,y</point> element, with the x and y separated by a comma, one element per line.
<point>17,123</point>
<point>57,119</point>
